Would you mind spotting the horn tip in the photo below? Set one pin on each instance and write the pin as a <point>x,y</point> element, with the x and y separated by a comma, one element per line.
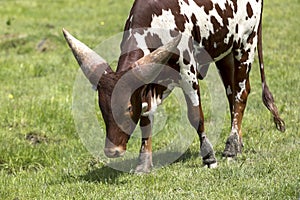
<point>71,40</point>
<point>66,33</point>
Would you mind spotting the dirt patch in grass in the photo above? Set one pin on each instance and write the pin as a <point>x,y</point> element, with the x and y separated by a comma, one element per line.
<point>36,138</point>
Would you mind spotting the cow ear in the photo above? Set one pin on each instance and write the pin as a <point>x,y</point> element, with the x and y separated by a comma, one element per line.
<point>148,68</point>
<point>92,65</point>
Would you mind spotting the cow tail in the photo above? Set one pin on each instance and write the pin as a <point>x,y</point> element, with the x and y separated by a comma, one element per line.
<point>267,96</point>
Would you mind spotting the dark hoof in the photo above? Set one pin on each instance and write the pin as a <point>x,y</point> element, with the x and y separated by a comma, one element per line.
<point>145,163</point>
<point>207,153</point>
<point>210,161</point>
<point>233,146</point>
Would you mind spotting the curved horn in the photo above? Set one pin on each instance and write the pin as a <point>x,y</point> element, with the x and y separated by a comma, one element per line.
<point>92,65</point>
<point>148,68</point>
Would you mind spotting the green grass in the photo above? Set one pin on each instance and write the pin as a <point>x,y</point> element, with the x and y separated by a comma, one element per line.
<point>42,156</point>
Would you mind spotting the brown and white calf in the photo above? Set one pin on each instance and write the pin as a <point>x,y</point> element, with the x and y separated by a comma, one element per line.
<point>179,34</point>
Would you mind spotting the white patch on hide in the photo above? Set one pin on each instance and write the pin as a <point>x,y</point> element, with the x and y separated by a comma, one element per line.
<point>155,102</point>
<point>242,85</point>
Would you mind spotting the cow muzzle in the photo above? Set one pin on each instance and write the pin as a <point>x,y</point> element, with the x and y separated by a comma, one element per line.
<point>114,152</point>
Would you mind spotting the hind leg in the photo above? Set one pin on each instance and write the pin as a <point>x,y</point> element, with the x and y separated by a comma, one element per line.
<point>235,76</point>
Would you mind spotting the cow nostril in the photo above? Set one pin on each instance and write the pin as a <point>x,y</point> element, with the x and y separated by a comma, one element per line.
<point>114,152</point>
<point>117,153</point>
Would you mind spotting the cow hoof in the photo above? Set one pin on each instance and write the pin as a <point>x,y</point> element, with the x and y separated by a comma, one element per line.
<point>145,163</point>
<point>233,147</point>
<point>210,162</point>
<point>207,153</point>
<point>211,165</point>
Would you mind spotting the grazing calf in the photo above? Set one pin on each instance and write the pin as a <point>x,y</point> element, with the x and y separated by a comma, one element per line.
<point>183,35</point>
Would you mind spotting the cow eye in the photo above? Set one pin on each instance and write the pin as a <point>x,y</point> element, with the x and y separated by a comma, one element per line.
<point>129,108</point>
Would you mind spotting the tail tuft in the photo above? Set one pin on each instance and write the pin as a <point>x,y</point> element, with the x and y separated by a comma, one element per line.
<point>269,103</point>
<point>280,125</point>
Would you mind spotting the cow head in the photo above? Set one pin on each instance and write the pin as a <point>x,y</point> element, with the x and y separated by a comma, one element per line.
<point>120,114</point>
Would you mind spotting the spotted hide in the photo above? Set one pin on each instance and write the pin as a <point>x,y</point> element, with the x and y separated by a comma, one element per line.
<point>185,35</point>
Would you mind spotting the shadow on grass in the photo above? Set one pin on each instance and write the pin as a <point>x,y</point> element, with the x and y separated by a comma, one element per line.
<point>104,174</point>
<point>188,155</point>
<point>110,174</point>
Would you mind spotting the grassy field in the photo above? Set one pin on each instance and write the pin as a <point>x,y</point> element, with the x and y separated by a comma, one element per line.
<point>42,156</point>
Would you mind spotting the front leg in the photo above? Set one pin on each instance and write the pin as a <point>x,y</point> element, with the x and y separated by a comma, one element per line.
<point>145,157</point>
<point>196,118</point>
